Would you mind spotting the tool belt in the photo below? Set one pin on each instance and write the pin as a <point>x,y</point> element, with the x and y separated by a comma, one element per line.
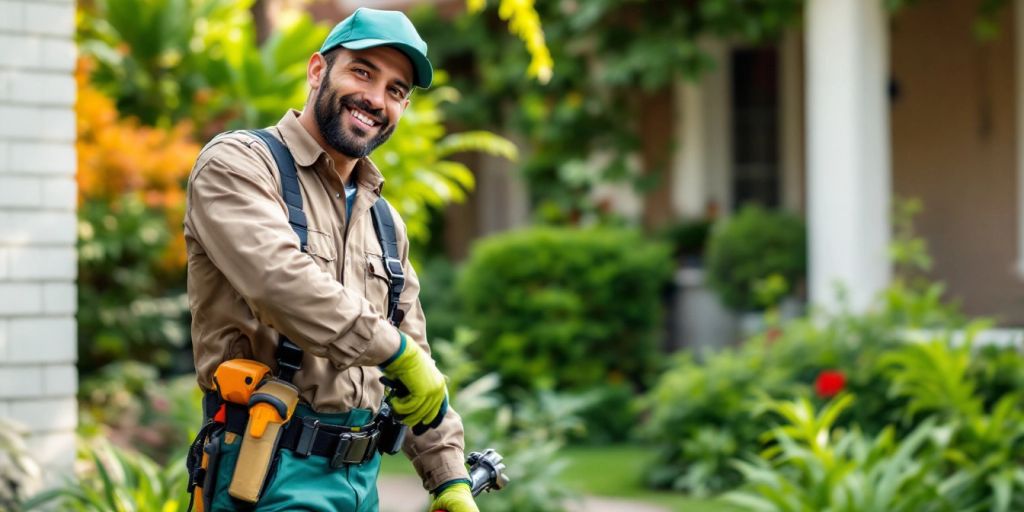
<point>307,435</point>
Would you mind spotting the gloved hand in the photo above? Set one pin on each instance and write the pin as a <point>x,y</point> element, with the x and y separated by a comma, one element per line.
<point>427,400</point>
<point>455,498</point>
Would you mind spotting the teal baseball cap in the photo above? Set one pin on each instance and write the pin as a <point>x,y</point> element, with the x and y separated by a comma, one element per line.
<point>370,28</point>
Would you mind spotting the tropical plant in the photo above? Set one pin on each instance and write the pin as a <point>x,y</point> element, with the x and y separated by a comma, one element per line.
<point>152,55</point>
<point>529,434</point>
<point>940,378</point>
<point>117,480</point>
<point>19,472</point>
<point>421,176</point>
<point>524,22</point>
<point>811,467</point>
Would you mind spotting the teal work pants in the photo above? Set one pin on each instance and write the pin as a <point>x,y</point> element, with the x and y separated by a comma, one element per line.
<point>305,484</point>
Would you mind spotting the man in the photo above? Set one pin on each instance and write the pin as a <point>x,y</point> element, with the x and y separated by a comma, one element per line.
<point>249,280</point>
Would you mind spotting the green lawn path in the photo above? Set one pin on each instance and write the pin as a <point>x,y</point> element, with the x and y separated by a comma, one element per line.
<point>613,471</point>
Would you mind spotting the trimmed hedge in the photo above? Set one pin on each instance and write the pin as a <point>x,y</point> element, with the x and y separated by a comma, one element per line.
<point>560,308</point>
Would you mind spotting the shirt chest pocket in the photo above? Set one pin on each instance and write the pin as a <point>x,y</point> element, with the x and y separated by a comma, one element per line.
<point>377,284</point>
<point>320,246</point>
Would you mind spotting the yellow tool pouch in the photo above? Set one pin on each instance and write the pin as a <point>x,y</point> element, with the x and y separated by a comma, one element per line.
<point>270,408</point>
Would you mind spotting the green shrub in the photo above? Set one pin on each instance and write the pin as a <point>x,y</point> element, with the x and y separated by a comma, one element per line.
<point>440,306</point>
<point>703,413</point>
<point>128,307</point>
<point>756,258</point>
<point>564,308</point>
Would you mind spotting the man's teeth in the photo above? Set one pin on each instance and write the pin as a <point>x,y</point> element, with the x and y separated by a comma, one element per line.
<point>363,118</point>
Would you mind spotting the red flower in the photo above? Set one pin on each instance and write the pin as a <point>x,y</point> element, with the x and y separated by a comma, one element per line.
<point>829,383</point>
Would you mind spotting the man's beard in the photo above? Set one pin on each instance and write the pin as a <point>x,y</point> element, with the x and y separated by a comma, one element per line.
<point>329,109</point>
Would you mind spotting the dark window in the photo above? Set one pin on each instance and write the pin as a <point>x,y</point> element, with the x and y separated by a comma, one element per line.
<point>755,127</point>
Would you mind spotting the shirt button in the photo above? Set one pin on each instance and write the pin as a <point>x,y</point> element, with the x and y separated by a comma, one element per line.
<point>337,195</point>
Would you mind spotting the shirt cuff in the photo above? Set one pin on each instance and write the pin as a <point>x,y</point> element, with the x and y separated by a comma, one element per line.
<point>450,466</point>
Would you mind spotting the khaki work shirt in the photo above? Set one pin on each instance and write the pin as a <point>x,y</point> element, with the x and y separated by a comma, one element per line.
<point>249,280</point>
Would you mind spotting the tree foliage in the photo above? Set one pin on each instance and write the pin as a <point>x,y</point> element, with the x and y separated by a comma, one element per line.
<point>608,55</point>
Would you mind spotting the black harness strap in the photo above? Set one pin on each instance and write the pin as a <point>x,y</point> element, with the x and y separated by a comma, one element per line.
<point>289,184</point>
<point>289,355</point>
<point>384,225</point>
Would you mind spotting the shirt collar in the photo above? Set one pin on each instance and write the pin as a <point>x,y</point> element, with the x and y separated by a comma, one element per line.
<point>306,151</point>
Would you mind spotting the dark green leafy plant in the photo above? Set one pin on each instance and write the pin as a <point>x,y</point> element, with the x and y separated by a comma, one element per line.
<point>688,239</point>
<point>755,252</point>
<point>565,309</point>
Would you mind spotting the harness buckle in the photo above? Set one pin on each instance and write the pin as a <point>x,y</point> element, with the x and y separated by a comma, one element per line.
<point>310,427</point>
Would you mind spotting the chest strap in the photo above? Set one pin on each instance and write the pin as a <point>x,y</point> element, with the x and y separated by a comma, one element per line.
<point>384,225</point>
<point>289,355</point>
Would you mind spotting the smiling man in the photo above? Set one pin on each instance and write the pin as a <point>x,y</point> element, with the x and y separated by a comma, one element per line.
<point>288,273</point>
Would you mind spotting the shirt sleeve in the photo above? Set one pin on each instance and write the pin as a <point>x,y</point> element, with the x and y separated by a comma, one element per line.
<point>438,454</point>
<point>238,217</point>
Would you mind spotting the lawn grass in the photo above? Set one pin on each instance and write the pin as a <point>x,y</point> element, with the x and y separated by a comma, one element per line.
<point>617,471</point>
<point>612,471</point>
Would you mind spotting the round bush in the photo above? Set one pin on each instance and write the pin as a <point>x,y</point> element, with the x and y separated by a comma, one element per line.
<point>559,308</point>
<point>756,248</point>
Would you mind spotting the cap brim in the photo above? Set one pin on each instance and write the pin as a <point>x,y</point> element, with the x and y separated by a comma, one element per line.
<point>423,72</point>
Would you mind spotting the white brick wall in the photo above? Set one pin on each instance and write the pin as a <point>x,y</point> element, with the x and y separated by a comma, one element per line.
<point>38,379</point>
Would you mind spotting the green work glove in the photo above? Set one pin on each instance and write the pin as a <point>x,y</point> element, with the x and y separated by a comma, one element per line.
<point>421,396</point>
<point>456,497</point>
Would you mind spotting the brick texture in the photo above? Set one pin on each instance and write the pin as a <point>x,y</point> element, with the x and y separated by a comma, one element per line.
<point>38,265</point>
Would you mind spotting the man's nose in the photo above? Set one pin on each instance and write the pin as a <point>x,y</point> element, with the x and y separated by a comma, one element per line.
<point>374,98</point>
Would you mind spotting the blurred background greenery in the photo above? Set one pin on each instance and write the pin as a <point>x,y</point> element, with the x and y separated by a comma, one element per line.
<point>554,335</point>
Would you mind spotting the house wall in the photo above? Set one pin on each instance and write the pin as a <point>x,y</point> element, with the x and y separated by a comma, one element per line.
<point>37,226</point>
<point>953,146</point>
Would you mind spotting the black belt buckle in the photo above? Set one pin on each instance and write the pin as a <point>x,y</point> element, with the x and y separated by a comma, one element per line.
<point>340,457</point>
<point>310,427</point>
<point>353,449</point>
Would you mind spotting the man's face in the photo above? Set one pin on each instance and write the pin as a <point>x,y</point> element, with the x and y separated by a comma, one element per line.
<point>361,98</point>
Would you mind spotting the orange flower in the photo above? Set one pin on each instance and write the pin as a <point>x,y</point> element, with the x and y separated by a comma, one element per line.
<point>120,156</point>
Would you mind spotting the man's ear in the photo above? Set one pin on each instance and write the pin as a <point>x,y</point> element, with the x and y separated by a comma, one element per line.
<point>315,70</point>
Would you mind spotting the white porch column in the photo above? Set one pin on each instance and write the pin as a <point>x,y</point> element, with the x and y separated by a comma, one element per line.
<point>702,173</point>
<point>848,161</point>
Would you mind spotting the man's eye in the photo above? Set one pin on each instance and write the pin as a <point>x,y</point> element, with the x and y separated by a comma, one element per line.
<point>396,92</point>
<point>361,72</point>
